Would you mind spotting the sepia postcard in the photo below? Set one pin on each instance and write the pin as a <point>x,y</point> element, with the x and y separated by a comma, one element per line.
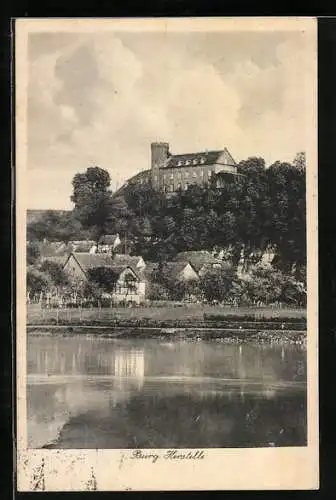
<point>166,259</point>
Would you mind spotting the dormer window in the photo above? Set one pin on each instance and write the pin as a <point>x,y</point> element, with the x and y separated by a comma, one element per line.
<point>180,163</point>
<point>202,160</point>
<point>187,162</point>
<point>195,161</point>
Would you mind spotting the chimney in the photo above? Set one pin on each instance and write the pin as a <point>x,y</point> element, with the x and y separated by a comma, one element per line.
<point>160,152</point>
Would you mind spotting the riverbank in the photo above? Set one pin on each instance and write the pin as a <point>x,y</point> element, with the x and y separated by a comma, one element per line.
<point>221,335</point>
<point>184,323</point>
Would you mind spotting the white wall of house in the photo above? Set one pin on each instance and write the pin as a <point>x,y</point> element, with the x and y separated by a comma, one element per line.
<point>188,274</point>
<point>73,269</point>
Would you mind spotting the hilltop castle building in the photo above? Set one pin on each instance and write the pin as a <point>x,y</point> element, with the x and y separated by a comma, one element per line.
<point>170,173</point>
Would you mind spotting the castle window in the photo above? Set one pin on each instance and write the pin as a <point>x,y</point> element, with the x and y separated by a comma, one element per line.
<point>186,186</point>
<point>209,173</point>
<point>194,175</point>
<point>172,176</point>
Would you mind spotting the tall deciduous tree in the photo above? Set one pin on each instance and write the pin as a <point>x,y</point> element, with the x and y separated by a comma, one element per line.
<point>92,199</point>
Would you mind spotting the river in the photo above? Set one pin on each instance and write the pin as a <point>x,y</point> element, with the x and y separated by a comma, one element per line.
<point>94,392</point>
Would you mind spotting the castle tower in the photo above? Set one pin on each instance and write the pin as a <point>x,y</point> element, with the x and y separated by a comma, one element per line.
<point>160,153</point>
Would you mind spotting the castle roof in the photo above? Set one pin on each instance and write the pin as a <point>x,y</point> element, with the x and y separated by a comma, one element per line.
<point>201,158</point>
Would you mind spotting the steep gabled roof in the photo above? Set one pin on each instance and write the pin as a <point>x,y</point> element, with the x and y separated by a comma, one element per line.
<point>174,269</point>
<point>88,261</point>
<point>57,259</point>
<point>170,269</point>
<point>198,259</point>
<point>130,260</point>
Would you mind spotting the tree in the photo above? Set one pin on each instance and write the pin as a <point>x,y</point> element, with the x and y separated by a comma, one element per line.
<point>104,277</point>
<point>300,160</point>
<point>38,282</point>
<point>57,276</point>
<point>33,253</point>
<point>216,284</point>
<point>92,199</point>
<point>56,226</point>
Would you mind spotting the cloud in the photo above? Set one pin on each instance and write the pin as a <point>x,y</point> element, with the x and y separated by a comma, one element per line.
<point>101,99</point>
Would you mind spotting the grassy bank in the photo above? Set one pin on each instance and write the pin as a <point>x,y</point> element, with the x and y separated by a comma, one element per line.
<point>167,314</point>
<point>186,322</point>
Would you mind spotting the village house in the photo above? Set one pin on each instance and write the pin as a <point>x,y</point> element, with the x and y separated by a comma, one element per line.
<point>129,286</point>
<point>83,246</point>
<point>135,261</point>
<point>202,261</point>
<point>175,271</point>
<point>108,243</point>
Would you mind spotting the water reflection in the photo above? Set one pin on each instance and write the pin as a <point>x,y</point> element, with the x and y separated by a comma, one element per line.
<point>93,392</point>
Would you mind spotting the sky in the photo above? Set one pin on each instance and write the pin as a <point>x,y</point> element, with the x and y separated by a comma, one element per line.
<point>102,98</point>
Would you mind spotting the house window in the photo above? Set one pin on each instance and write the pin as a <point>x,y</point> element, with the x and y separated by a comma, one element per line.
<point>171,176</point>
<point>186,186</point>
<point>194,175</point>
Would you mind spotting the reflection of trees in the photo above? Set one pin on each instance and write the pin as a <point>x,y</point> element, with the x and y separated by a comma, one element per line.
<point>130,364</point>
<point>67,356</point>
